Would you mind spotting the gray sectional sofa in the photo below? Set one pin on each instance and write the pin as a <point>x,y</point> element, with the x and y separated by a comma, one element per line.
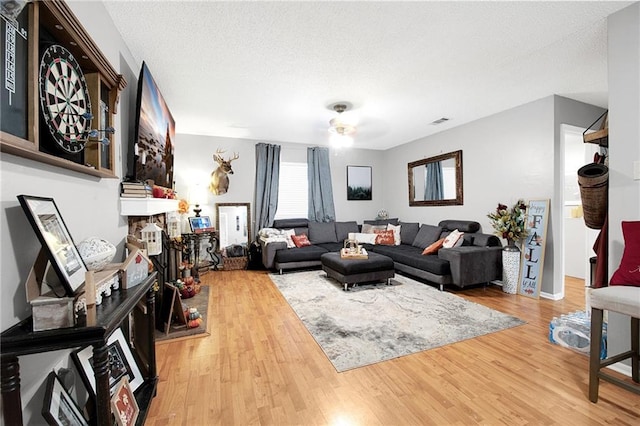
<point>478,260</point>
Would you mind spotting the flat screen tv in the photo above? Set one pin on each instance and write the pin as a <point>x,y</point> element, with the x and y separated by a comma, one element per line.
<point>154,134</point>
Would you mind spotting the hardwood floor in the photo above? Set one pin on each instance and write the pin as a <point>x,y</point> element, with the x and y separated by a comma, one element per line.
<point>261,366</point>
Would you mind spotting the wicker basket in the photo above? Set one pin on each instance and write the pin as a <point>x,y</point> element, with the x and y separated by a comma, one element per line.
<point>234,263</point>
<point>593,180</point>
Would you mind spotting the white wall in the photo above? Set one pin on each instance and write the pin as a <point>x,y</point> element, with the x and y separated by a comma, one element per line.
<point>194,164</point>
<point>624,141</point>
<point>89,207</point>
<point>506,156</point>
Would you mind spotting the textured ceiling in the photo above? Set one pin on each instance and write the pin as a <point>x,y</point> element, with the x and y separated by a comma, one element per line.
<point>268,70</point>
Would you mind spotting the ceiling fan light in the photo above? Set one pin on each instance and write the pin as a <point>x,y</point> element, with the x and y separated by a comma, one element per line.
<point>336,126</point>
<point>341,141</point>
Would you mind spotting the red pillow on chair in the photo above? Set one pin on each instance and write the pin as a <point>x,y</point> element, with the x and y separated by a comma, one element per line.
<point>628,272</point>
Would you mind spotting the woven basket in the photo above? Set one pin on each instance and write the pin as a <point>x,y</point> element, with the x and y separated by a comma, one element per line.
<point>593,180</point>
<point>235,263</point>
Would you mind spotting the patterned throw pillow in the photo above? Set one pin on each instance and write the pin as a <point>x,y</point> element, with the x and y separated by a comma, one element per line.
<point>300,240</point>
<point>628,273</point>
<point>385,238</point>
<point>454,239</point>
<point>396,233</point>
<point>433,248</point>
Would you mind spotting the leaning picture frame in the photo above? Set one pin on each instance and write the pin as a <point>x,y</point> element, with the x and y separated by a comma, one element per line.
<point>52,232</point>
<point>121,364</point>
<point>59,409</point>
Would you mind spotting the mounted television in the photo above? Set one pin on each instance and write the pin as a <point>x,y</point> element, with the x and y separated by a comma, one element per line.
<point>154,134</point>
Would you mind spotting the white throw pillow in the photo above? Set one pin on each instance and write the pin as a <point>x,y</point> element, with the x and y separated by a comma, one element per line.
<point>453,238</point>
<point>396,233</point>
<point>287,234</point>
<point>363,238</point>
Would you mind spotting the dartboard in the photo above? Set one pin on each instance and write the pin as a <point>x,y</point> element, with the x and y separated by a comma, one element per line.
<point>64,99</point>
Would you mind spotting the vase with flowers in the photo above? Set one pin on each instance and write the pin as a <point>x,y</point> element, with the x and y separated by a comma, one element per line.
<point>510,224</point>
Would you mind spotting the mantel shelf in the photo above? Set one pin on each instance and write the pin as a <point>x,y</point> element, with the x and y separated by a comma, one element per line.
<point>146,206</point>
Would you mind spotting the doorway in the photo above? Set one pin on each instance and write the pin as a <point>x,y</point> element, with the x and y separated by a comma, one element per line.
<point>577,239</point>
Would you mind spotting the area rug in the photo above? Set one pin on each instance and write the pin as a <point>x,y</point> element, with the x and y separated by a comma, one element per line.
<point>180,330</point>
<point>376,322</point>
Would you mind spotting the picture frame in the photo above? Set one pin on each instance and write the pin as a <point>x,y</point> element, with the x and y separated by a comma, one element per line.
<point>359,187</point>
<point>59,408</point>
<point>124,405</point>
<point>121,364</point>
<point>200,224</point>
<point>56,240</point>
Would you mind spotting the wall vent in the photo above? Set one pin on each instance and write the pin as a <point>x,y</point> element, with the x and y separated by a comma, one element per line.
<point>440,120</point>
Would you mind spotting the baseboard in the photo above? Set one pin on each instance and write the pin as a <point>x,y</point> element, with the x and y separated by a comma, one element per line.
<point>552,296</point>
<point>621,368</point>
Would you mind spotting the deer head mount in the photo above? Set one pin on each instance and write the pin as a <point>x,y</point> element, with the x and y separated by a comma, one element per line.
<point>220,176</point>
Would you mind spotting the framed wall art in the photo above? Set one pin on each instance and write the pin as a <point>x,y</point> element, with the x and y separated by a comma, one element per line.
<point>47,222</point>
<point>121,364</point>
<point>359,183</point>
<point>59,409</point>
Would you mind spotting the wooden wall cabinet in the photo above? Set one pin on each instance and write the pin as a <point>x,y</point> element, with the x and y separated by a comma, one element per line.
<point>52,21</point>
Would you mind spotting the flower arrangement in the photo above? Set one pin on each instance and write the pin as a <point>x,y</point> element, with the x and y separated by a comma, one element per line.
<point>510,223</point>
<point>183,206</point>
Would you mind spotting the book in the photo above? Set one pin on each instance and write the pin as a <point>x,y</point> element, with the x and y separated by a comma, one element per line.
<point>124,195</point>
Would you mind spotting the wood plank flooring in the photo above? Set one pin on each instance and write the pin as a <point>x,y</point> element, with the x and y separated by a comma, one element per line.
<point>260,366</point>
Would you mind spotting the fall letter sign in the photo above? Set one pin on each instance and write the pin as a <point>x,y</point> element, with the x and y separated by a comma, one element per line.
<point>530,278</point>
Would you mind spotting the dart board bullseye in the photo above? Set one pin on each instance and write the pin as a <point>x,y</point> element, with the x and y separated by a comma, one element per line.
<point>64,99</point>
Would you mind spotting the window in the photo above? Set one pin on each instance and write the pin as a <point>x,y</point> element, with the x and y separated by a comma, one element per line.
<point>293,191</point>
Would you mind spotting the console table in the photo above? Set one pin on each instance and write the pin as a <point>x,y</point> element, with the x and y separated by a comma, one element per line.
<point>22,340</point>
<point>191,244</point>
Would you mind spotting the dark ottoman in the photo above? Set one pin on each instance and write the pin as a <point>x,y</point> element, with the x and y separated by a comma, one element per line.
<point>353,271</point>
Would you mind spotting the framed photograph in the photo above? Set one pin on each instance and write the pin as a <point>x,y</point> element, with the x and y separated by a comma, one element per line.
<point>200,223</point>
<point>45,218</point>
<point>359,183</point>
<point>59,408</point>
<point>124,405</point>
<point>121,364</point>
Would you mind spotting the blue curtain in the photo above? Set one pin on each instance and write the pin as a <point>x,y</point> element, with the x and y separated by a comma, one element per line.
<point>433,182</point>
<point>321,207</point>
<point>267,177</point>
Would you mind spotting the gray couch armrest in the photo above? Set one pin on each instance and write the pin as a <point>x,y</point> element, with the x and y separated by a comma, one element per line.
<point>473,265</point>
<point>269,252</point>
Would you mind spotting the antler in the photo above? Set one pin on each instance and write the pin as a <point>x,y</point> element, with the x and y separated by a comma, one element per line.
<point>235,157</point>
<point>217,157</point>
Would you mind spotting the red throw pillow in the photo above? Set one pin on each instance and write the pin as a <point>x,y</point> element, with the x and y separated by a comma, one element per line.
<point>385,238</point>
<point>433,248</point>
<point>300,240</point>
<point>628,272</point>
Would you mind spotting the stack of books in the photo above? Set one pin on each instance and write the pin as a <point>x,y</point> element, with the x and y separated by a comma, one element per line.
<point>136,190</point>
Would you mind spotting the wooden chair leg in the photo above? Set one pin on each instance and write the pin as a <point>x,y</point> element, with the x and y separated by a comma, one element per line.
<point>594,355</point>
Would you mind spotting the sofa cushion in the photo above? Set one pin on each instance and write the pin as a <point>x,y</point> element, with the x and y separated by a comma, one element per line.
<point>300,240</point>
<point>331,246</point>
<point>460,225</point>
<point>396,233</point>
<point>427,235</point>
<point>322,232</point>
<point>433,248</point>
<point>363,238</point>
<point>454,239</point>
<point>290,223</point>
<point>385,238</point>
<point>408,232</point>
<point>412,256</point>
<point>379,222</point>
<point>368,228</point>
<point>343,229</point>
<point>301,254</point>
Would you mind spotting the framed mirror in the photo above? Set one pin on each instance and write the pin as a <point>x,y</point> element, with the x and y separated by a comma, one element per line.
<point>436,181</point>
<point>233,222</point>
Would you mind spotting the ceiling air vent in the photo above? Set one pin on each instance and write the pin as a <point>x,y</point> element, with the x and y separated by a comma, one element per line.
<point>440,121</point>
